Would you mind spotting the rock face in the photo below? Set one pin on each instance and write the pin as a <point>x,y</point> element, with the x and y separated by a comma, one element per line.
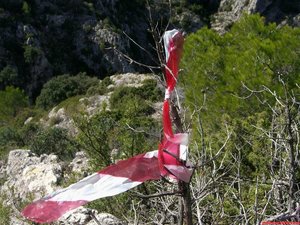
<point>278,11</point>
<point>129,79</point>
<point>83,216</point>
<point>2,169</point>
<point>80,163</point>
<point>40,39</point>
<point>59,118</point>
<point>28,174</point>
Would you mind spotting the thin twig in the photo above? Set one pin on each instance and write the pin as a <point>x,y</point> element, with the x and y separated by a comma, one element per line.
<point>156,195</point>
<point>92,214</point>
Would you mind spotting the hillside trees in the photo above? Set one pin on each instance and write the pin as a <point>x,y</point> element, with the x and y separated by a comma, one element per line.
<point>12,101</point>
<point>63,87</point>
<point>246,83</point>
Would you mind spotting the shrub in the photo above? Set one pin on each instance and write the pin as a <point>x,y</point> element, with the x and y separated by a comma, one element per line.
<point>71,105</point>
<point>14,137</point>
<point>27,134</point>
<point>26,8</point>
<point>100,88</point>
<point>9,138</point>
<point>135,99</point>
<point>31,53</point>
<point>97,136</point>
<point>26,113</point>
<point>8,76</point>
<point>54,140</point>
<point>4,213</point>
<point>63,87</point>
<point>12,100</point>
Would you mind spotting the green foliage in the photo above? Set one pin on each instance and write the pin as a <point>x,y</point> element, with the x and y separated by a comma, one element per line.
<point>100,88</point>
<point>90,6</point>
<point>15,111</point>
<point>12,100</point>
<point>63,87</point>
<point>4,213</point>
<point>9,138</point>
<point>31,53</point>
<point>26,8</point>
<point>54,140</point>
<point>251,54</point>
<point>97,136</point>
<point>127,127</point>
<point>71,105</point>
<point>8,76</point>
<point>29,112</point>
<point>135,98</point>
<point>27,134</point>
<point>227,80</point>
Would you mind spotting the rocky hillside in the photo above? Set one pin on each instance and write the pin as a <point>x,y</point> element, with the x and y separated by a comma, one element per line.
<point>27,175</point>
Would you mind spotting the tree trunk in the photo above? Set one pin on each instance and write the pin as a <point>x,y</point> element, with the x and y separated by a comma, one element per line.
<point>186,215</point>
<point>291,152</point>
<point>187,203</point>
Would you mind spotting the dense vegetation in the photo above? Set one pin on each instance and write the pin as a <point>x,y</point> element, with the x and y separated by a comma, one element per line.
<point>63,87</point>
<point>245,86</point>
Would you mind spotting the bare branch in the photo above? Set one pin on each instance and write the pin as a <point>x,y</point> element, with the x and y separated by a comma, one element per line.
<point>156,195</point>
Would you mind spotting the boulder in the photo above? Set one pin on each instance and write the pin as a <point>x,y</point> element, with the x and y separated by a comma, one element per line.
<point>129,79</point>
<point>80,163</point>
<point>59,118</point>
<point>30,176</point>
<point>95,103</point>
<point>84,216</point>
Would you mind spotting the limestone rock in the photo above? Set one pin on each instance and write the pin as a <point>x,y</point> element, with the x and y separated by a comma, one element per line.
<point>107,219</point>
<point>158,113</point>
<point>99,47</point>
<point>17,221</point>
<point>59,118</point>
<point>273,10</point>
<point>83,216</point>
<point>112,44</point>
<point>2,169</point>
<point>39,66</point>
<point>32,177</point>
<point>129,79</point>
<point>28,120</point>
<point>95,104</point>
<point>28,174</point>
<point>80,163</point>
<point>78,216</point>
